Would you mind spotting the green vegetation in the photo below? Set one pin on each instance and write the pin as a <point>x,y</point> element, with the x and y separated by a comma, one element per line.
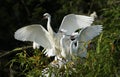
<point>103,58</point>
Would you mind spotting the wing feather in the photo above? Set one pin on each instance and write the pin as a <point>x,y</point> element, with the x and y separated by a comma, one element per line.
<point>73,22</point>
<point>89,33</point>
<point>86,35</point>
<point>35,33</point>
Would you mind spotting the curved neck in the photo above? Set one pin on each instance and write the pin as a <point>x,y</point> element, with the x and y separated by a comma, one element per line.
<point>62,41</point>
<point>73,47</point>
<point>49,26</point>
<point>48,22</point>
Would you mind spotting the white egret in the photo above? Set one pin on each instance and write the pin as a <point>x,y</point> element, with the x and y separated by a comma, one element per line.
<point>85,35</point>
<point>65,47</point>
<point>49,39</point>
<point>70,23</point>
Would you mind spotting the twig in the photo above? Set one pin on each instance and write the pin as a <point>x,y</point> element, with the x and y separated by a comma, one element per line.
<point>14,50</point>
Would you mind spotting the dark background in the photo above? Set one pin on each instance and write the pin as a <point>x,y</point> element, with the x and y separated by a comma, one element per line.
<point>15,14</point>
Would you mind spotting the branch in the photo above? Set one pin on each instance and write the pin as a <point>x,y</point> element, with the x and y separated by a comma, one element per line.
<point>14,50</point>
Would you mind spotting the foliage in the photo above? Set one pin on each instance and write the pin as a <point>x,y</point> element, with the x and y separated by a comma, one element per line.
<point>29,62</point>
<point>103,57</point>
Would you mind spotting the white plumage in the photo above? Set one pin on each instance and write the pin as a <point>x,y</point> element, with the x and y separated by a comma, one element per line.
<point>72,22</point>
<point>65,46</point>
<point>82,38</point>
<point>48,38</point>
<point>35,33</point>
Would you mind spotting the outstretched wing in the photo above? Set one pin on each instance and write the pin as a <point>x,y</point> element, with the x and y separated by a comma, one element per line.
<point>35,33</point>
<point>73,22</point>
<point>89,33</point>
<point>86,35</point>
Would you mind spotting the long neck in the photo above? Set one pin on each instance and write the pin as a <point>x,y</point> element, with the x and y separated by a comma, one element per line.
<point>62,41</point>
<point>50,30</point>
<point>73,48</point>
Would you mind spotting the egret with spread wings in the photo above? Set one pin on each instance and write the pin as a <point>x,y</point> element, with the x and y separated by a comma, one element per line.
<point>48,38</point>
<point>82,38</point>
